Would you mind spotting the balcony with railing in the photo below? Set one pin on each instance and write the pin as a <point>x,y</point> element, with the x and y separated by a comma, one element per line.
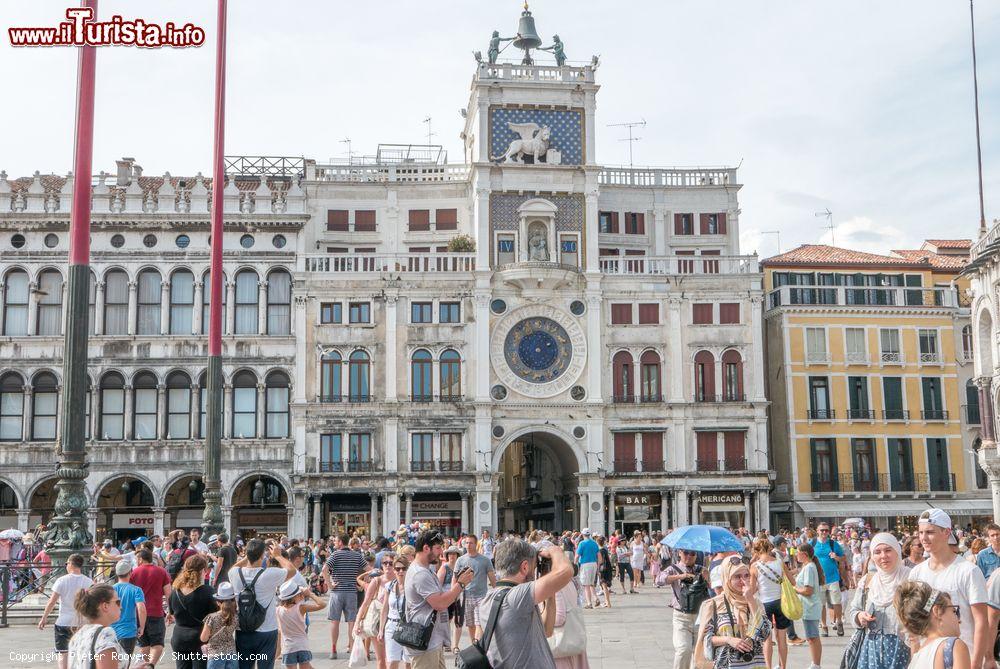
<point>817,358</point>
<point>720,399</point>
<point>971,412</point>
<point>646,398</point>
<point>930,358</point>
<point>845,296</point>
<point>450,466</point>
<point>895,414</point>
<point>638,465</point>
<point>661,177</point>
<point>345,399</point>
<point>512,71</point>
<point>345,466</point>
<point>381,263</point>
<point>904,482</point>
<point>678,265</point>
<point>934,414</point>
<point>891,358</point>
<point>821,414</point>
<point>738,464</point>
<point>860,414</point>
<point>856,358</point>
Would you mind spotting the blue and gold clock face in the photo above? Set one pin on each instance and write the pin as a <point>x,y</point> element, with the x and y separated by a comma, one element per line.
<point>538,350</point>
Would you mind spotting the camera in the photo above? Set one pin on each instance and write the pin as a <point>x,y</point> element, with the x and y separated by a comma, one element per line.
<point>746,656</point>
<point>544,565</point>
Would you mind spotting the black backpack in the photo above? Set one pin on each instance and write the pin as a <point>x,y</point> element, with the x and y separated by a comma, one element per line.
<point>175,562</point>
<point>249,613</point>
<point>694,593</point>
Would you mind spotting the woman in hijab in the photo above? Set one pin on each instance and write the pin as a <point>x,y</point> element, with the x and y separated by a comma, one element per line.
<point>735,626</point>
<point>884,644</point>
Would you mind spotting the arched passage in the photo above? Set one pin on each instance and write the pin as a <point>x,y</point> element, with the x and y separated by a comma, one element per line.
<point>42,501</point>
<point>537,483</point>
<point>260,507</point>
<point>9,504</point>
<point>183,502</point>
<point>124,509</point>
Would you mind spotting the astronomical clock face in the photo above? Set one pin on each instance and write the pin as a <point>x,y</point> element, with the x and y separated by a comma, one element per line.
<point>538,351</point>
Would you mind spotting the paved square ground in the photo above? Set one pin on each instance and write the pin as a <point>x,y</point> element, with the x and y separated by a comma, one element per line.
<point>634,634</point>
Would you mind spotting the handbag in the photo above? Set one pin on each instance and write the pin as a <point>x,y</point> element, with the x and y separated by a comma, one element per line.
<point>372,620</point>
<point>411,634</point>
<point>852,654</point>
<point>571,638</point>
<point>701,661</point>
<point>474,656</point>
<point>791,604</point>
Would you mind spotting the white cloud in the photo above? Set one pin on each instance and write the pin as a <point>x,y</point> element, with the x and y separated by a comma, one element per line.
<point>863,234</point>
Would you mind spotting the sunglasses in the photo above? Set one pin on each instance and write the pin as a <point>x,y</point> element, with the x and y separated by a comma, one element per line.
<point>116,602</point>
<point>957,609</point>
<point>400,568</point>
<point>735,559</point>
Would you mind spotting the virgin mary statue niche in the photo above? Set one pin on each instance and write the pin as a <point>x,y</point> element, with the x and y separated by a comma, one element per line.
<point>538,243</point>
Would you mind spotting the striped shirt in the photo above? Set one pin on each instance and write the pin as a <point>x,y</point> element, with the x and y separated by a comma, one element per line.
<point>345,566</point>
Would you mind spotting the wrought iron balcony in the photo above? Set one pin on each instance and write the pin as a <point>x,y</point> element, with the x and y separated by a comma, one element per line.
<point>422,466</point>
<point>450,466</point>
<point>349,399</point>
<point>652,398</point>
<point>938,482</point>
<point>894,296</point>
<point>934,414</point>
<point>895,414</point>
<point>821,414</point>
<point>626,465</point>
<point>725,397</point>
<point>860,414</point>
<point>738,464</point>
<point>341,466</point>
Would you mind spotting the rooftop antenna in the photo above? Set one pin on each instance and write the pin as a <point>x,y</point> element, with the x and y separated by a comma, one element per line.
<point>773,232</point>
<point>350,154</point>
<point>979,146</point>
<point>631,140</point>
<point>430,134</point>
<point>826,213</point>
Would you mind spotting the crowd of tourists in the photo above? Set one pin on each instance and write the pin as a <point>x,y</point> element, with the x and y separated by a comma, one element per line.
<point>929,599</point>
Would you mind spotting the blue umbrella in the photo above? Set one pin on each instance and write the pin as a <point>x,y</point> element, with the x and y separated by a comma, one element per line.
<point>704,538</point>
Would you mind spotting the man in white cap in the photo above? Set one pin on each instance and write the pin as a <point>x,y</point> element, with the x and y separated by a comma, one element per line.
<point>64,593</point>
<point>132,620</point>
<point>586,556</point>
<point>961,579</point>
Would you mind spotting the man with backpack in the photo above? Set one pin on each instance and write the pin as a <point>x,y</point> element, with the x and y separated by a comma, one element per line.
<point>255,585</point>
<point>179,553</point>
<point>689,582</point>
<point>830,555</point>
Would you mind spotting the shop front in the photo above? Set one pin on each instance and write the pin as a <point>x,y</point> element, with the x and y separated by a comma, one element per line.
<point>261,523</point>
<point>131,526</point>
<point>443,512</point>
<point>347,514</point>
<point>637,511</point>
<point>723,508</point>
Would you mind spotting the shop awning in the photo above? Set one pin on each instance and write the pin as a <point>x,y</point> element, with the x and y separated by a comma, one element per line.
<point>965,507</point>
<point>839,508</point>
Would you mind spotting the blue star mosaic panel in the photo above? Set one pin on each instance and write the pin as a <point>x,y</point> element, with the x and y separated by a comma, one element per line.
<point>569,214</point>
<point>565,128</point>
<point>538,350</point>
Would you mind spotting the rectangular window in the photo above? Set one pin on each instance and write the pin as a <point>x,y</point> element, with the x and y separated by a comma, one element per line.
<point>816,345</point>
<point>449,312</point>
<point>702,314</point>
<point>43,416</point>
<point>360,452</point>
<point>419,220</point>
<point>569,253</point>
<point>649,314</point>
<point>933,405</point>
<point>421,452</point>
<point>889,346</point>
<point>635,223</point>
<point>683,224</point>
<point>865,473</point>
<point>505,249</point>
<point>360,312</point>
<point>892,397</point>
<point>819,398</point>
<point>608,222</point>
<point>145,413</point>
<point>451,451</point>
<point>421,312</point>
<point>940,478</point>
<point>857,391</point>
<point>708,451</point>
<point>244,413</point>
<point>15,308</point>
<point>621,314</point>
<point>900,464</point>
<point>824,465</point>
<point>331,454</point>
<point>624,452</point>
<point>914,298</point>
<point>854,339</point>
<point>331,312</point>
<point>928,345</point>
<point>446,219</point>
<point>729,313</point>
<point>709,224</point>
<point>337,220</point>
<point>364,220</point>
<point>652,451</point>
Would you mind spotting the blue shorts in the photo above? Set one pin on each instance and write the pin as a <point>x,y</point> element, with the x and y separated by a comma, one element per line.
<point>812,628</point>
<point>298,657</point>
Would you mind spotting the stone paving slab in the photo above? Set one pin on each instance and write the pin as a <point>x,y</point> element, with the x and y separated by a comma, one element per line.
<point>634,634</point>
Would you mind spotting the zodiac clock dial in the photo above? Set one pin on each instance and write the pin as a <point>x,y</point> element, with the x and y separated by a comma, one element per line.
<point>538,350</point>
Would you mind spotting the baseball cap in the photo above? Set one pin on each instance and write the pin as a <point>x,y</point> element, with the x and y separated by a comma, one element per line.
<point>936,517</point>
<point>586,532</point>
<point>123,568</point>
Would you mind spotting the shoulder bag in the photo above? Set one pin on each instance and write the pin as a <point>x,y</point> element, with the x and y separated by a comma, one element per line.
<point>852,654</point>
<point>701,660</point>
<point>791,604</point>
<point>570,639</point>
<point>474,656</point>
<point>373,617</point>
<point>412,634</point>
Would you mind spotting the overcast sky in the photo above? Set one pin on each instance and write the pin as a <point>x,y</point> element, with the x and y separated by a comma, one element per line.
<point>860,106</point>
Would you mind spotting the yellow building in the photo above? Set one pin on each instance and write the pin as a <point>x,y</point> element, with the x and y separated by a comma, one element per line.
<point>874,413</point>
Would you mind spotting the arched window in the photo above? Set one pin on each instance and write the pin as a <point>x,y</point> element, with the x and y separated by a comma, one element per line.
<point>451,376</point>
<point>144,406</point>
<point>972,416</point>
<point>112,427</point>
<point>276,406</point>
<point>206,302</point>
<point>50,290</point>
<point>178,406</point>
<point>115,303</point>
<point>44,406</point>
<point>422,373</point>
<point>247,290</point>
<point>279,303</point>
<point>704,377</point>
<point>649,377</point>
<point>181,302</point>
<point>147,316</point>
<point>732,376</point>
<point>359,368</point>
<point>92,304</point>
<point>244,406</point>
<point>967,342</point>
<point>11,406</point>
<point>623,388</point>
<point>330,368</point>
<point>15,303</point>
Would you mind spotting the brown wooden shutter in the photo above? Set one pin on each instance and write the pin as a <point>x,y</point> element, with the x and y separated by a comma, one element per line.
<point>702,314</point>
<point>420,219</point>
<point>420,249</point>
<point>337,220</point>
<point>634,252</point>
<point>336,249</point>
<point>708,451</point>
<point>734,447</point>
<point>621,314</point>
<point>652,451</point>
<point>706,361</point>
<point>364,220</point>
<point>625,451</point>
<point>703,224</point>
<point>446,219</point>
<point>640,224</point>
<point>729,313</point>
<point>614,222</point>
<point>722,224</point>
<point>678,224</point>
<point>602,251</point>
<point>649,314</point>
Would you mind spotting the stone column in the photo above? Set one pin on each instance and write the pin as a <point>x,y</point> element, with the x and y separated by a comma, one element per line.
<point>92,522</point>
<point>195,432</point>
<point>262,307</point>
<point>128,413</point>
<point>99,308</point>
<point>596,359</point>
<point>95,413</point>
<point>989,460</point>
<point>32,308</point>
<point>198,307</point>
<point>664,511</point>
<point>679,371</point>
<point>230,324</point>
<point>483,516</point>
<point>390,347</point>
<point>390,446</point>
<point>317,522</point>
<point>373,521</point>
<point>748,520</point>
<point>164,307</point>
<point>481,364</point>
<point>301,303</point>
<point>161,411</point>
<point>227,412</point>
<point>391,511</point>
<point>659,231</point>
<point>158,516</point>
<point>695,511</point>
<point>24,519</point>
<point>762,508</point>
<point>680,507</point>
<point>591,262</point>
<point>261,409</point>
<point>986,409</point>
<point>757,354</point>
<point>27,411</point>
<point>408,496</point>
<point>133,307</point>
<point>465,512</point>
<point>227,520</point>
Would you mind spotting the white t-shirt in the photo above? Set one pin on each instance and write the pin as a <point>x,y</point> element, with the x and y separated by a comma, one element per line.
<point>66,587</point>
<point>993,588</point>
<point>201,547</point>
<point>83,642</point>
<point>266,589</point>
<point>964,583</point>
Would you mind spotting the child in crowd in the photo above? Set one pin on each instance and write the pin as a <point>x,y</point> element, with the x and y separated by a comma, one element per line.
<point>219,631</point>
<point>291,613</point>
<point>929,613</point>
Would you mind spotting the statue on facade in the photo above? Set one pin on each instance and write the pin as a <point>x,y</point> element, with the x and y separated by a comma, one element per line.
<point>494,51</point>
<point>534,142</point>
<point>538,246</point>
<point>557,50</point>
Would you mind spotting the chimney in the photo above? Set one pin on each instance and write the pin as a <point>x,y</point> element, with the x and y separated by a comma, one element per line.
<point>124,171</point>
<point>136,171</point>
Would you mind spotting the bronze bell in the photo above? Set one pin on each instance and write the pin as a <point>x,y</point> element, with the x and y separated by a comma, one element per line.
<point>527,35</point>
